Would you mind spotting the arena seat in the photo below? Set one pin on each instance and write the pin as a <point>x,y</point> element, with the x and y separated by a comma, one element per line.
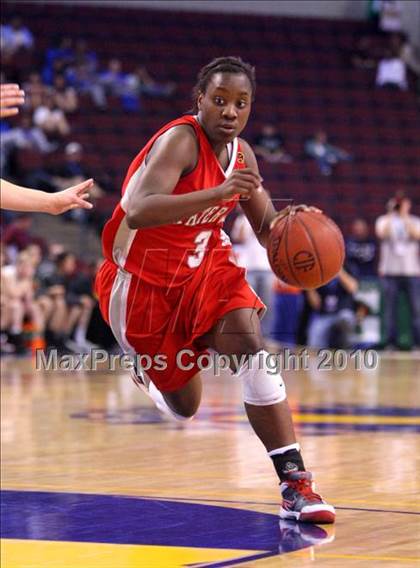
<point>304,83</point>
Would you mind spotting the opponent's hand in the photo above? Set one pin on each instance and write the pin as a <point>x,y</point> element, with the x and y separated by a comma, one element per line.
<point>292,210</point>
<point>242,182</point>
<point>72,198</point>
<point>11,96</point>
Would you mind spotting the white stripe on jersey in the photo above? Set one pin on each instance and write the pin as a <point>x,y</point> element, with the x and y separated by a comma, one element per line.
<point>117,312</point>
<point>125,236</point>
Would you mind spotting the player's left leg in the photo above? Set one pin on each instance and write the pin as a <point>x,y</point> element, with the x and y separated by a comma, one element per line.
<point>238,333</point>
<point>181,404</point>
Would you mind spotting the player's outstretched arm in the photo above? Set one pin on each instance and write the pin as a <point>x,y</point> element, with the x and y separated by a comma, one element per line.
<point>17,198</point>
<point>149,201</point>
<point>259,208</point>
<point>11,97</point>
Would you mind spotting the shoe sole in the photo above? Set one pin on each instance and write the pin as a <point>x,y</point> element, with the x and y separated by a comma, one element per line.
<point>323,517</point>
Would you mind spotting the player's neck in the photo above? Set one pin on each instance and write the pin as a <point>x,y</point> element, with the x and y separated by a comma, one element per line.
<point>217,146</point>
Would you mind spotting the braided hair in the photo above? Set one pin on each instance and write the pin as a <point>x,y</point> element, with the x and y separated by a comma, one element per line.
<point>222,65</point>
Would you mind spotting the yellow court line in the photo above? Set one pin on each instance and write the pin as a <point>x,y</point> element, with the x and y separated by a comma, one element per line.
<point>407,559</point>
<point>353,419</point>
<point>17,553</point>
<point>341,419</point>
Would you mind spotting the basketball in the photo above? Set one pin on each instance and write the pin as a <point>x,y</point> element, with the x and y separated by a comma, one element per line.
<point>306,249</point>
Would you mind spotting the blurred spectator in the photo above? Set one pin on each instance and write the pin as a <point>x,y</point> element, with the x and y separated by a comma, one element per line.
<point>85,81</point>
<point>324,153</point>
<point>65,97</point>
<point>287,310</point>
<point>252,256</point>
<point>117,84</point>
<point>17,235</point>
<point>361,250</point>
<point>25,136</point>
<point>363,55</point>
<point>139,83</point>
<point>269,145</point>
<point>20,302</point>
<point>391,71</point>
<point>46,267</point>
<point>408,53</point>
<point>35,91</point>
<point>82,74</point>
<point>399,265</point>
<point>51,119</point>
<point>70,292</point>
<point>143,83</point>
<point>15,37</point>
<point>73,170</point>
<point>57,58</point>
<point>83,55</point>
<point>114,79</point>
<point>334,318</point>
<point>5,321</point>
<point>390,16</point>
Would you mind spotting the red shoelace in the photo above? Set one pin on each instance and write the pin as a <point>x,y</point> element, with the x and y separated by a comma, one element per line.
<point>304,487</point>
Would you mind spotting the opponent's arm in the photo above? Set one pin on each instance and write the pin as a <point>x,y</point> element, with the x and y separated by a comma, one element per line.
<point>150,201</point>
<point>17,198</point>
<point>11,97</point>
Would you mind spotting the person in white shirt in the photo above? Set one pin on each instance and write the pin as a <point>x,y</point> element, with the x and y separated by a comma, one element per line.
<point>51,119</point>
<point>392,72</point>
<point>399,265</point>
<point>252,256</point>
<point>390,16</point>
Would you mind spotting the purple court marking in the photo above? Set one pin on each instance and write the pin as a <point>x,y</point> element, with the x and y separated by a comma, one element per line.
<point>277,504</point>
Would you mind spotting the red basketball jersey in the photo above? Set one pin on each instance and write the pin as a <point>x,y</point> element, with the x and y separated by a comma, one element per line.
<point>169,255</point>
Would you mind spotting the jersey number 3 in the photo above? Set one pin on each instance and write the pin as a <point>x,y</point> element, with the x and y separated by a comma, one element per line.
<point>201,241</point>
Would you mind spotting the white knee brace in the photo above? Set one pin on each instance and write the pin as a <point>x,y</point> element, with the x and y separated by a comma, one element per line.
<point>262,385</point>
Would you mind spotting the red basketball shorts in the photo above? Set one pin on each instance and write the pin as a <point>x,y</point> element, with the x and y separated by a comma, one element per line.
<point>164,322</point>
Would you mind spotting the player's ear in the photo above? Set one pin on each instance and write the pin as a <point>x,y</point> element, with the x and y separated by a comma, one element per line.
<point>199,100</point>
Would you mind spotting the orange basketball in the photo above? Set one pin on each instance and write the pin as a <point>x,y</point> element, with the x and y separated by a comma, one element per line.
<point>306,249</point>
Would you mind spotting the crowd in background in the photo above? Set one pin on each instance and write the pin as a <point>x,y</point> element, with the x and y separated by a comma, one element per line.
<point>337,315</point>
<point>71,72</point>
<point>46,292</point>
<point>47,298</point>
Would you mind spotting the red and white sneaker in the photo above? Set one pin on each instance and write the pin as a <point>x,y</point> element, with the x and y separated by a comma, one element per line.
<point>301,503</point>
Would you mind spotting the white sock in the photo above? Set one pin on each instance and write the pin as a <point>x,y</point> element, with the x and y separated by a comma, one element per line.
<point>80,335</point>
<point>162,405</point>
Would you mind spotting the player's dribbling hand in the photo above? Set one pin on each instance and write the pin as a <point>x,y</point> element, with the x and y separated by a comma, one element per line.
<point>292,210</point>
<point>11,96</point>
<point>242,182</point>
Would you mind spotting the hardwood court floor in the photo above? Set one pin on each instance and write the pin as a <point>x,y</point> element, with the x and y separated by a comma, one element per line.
<point>92,478</point>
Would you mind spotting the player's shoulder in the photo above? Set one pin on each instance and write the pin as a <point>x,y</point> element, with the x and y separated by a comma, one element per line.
<point>179,141</point>
<point>248,152</point>
<point>183,134</point>
<point>245,146</point>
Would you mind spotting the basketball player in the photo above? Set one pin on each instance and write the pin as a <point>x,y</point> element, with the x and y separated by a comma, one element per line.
<point>169,282</point>
<point>18,198</point>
